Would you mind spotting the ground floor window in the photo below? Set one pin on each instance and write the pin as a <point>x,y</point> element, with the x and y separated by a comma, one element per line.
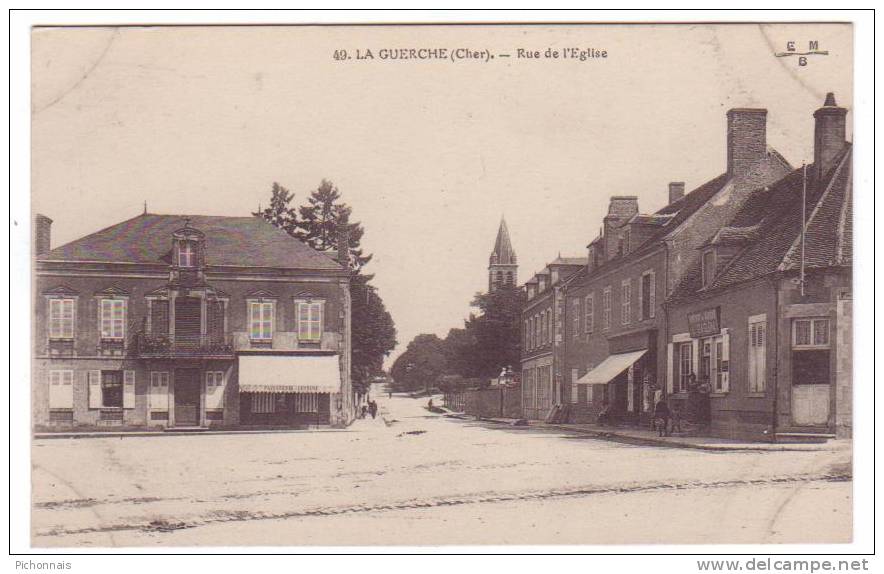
<point>714,362</point>
<point>112,389</point>
<point>158,397</point>
<point>263,403</point>
<point>61,394</point>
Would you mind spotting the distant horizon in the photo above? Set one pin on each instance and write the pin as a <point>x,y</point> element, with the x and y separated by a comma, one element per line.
<point>429,155</point>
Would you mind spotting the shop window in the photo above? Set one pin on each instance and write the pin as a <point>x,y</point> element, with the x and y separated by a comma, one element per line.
<point>685,364</point>
<point>714,363</point>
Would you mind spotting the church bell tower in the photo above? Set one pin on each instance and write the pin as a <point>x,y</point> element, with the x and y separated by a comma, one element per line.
<point>502,266</point>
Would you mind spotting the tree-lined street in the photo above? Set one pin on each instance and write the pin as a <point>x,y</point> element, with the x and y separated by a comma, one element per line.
<point>414,477</point>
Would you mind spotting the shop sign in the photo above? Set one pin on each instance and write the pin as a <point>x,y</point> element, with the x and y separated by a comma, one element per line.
<point>705,322</point>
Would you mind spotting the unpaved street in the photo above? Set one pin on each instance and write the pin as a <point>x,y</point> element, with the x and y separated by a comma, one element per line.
<point>413,477</point>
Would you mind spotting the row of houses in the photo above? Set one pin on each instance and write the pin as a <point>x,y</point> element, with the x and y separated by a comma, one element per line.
<point>738,291</point>
<point>190,321</point>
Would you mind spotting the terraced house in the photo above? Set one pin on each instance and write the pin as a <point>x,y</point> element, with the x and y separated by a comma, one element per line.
<point>190,321</point>
<point>542,337</point>
<point>614,349</point>
<point>764,315</point>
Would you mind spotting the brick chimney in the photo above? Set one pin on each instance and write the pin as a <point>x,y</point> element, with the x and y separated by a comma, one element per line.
<point>620,210</point>
<point>830,134</point>
<point>746,140</point>
<point>344,246</point>
<point>676,191</point>
<point>42,234</point>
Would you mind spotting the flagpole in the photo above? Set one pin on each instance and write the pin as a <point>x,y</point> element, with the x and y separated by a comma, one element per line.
<point>803,220</point>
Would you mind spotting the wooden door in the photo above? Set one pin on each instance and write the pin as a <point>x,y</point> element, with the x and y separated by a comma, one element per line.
<point>187,397</point>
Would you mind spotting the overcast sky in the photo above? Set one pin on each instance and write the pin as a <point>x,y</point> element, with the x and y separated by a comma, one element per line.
<point>429,154</point>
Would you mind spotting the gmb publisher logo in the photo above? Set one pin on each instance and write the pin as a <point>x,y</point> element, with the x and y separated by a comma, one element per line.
<point>802,57</point>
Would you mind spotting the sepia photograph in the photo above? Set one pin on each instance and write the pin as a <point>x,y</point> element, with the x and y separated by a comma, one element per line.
<point>440,285</point>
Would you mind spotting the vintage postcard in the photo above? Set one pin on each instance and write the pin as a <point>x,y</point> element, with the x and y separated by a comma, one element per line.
<point>434,285</point>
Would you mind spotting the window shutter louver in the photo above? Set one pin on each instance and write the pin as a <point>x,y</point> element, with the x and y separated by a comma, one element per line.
<point>95,399</point>
<point>725,356</point>
<point>128,389</point>
<point>641,299</point>
<point>670,350</point>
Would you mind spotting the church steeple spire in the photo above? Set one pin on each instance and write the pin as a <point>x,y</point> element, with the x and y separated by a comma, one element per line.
<point>502,266</point>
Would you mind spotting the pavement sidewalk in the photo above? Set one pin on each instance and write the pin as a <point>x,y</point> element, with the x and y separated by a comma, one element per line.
<point>649,438</point>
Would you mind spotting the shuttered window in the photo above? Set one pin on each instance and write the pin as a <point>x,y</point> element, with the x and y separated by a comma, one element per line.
<point>158,395</point>
<point>589,314</point>
<point>757,354</point>
<point>626,301</point>
<point>214,389</point>
<point>61,389</point>
<point>606,308</point>
<point>61,318</point>
<point>576,318</point>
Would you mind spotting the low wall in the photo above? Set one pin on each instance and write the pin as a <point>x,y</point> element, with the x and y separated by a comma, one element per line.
<point>494,402</point>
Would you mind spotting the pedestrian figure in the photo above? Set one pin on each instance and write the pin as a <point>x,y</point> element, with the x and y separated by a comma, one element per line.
<point>604,417</point>
<point>373,409</point>
<point>661,417</point>
<point>676,419</point>
<point>363,411</point>
<point>430,404</point>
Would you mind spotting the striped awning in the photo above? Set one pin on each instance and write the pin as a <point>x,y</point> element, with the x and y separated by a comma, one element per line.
<point>289,374</point>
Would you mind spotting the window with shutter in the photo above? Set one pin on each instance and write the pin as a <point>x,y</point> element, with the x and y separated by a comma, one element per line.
<point>61,385</point>
<point>757,354</point>
<point>128,389</point>
<point>589,321</point>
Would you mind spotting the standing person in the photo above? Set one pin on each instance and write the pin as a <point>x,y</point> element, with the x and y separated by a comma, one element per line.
<point>373,408</point>
<point>661,417</point>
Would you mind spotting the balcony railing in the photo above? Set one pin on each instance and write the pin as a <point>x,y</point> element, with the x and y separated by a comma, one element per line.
<point>209,345</point>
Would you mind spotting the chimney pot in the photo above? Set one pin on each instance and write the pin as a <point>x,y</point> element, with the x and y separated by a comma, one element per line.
<point>830,134</point>
<point>746,140</point>
<point>42,234</point>
<point>344,246</point>
<point>676,191</point>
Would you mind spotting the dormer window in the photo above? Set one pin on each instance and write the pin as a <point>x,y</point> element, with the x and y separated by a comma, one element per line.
<point>186,254</point>
<point>708,267</point>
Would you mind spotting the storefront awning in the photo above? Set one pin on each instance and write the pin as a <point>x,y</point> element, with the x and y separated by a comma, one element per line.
<point>610,368</point>
<point>289,374</point>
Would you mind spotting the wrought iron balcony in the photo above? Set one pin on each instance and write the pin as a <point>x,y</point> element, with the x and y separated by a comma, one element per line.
<point>183,346</point>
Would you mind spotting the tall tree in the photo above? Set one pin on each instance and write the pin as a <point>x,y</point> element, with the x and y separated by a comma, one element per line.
<point>496,330</point>
<point>373,330</point>
<point>321,217</point>
<point>374,334</point>
<point>421,365</point>
<point>279,212</point>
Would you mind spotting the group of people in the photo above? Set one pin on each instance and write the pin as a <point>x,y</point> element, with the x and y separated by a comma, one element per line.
<point>370,407</point>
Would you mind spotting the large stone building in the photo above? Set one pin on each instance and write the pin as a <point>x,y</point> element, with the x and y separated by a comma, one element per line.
<point>542,340</point>
<point>190,321</point>
<point>763,318</point>
<point>614,350</point>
